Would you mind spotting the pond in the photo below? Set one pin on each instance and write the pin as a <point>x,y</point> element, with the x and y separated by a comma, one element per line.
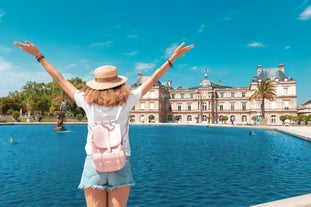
<point>172,166</point>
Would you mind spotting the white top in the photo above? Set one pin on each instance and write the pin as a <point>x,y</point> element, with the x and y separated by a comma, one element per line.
<point>99,111</point>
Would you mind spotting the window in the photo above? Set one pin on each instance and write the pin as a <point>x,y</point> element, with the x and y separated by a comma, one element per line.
<point>182,95</point>
<point>169,118</point>
<point>142,105</point>
<point>189,106</point>
<point>273,119</point>
<point>204,118</point>
<point>222,94</point>
<point>189,118</point>
<point>243,94</point>
<point>232,106</point>
<point>232,118</point>
<point>232,95</point>
<point>286,105</point>
<point>179,107</point>
<point>221,107</point>
<point>204,106</point>
<point>244,118</point>
<point>170,107</point>
<point>142,118</point>
<point>244,106</point>
<point>173,95</point>
<point>191,95</point>
<point>286,91</point>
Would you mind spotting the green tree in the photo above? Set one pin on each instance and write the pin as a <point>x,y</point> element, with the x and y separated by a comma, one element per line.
<point>294,119</point>
<point>283,118</point>
<point>308,118</point>
<point>151,118</point>
<point>224,118</point>
<point>132,118</point>
<point>15,115</point>
<point>79,117</point>
<point>265,90</point>
<point>177,117</point>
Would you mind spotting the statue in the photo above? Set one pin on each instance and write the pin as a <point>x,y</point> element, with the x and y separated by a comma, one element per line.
<point>60,117</point>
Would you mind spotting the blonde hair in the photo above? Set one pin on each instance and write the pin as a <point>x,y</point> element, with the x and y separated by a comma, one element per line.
<point>107,97</point>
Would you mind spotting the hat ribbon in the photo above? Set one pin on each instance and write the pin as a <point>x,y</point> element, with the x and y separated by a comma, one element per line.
<point>103,80</point>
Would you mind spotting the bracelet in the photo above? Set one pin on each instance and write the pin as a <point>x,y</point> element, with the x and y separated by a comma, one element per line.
<point>170,63</point>
<point>40,58</point>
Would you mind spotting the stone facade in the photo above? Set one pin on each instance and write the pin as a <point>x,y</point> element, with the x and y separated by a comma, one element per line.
<point>305,108</point>
<point>209,102</point>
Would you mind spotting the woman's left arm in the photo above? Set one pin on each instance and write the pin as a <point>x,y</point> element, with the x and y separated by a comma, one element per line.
<point>30,48</point>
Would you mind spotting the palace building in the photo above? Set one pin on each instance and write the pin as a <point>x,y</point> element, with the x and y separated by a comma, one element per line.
<point>214,103</point>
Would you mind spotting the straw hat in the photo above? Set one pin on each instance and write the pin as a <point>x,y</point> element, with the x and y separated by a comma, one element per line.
<point>106,77</point>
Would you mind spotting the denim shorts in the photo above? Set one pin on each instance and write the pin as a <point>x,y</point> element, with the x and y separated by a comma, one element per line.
<point>105,180</point>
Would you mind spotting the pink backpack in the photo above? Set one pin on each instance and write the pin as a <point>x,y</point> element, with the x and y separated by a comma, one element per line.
<point>108,152</point>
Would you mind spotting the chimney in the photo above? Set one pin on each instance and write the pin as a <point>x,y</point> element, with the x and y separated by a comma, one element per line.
<point>220,82</point>
<point>169,83</point>
<point>281,67</point>
<point>259,70</point>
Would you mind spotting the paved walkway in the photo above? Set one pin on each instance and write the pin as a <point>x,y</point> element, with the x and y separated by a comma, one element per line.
<point>303,132</point>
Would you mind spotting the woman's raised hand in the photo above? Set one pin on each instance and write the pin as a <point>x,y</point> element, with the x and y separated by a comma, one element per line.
<point>181,49</point>
<point>29,48</point>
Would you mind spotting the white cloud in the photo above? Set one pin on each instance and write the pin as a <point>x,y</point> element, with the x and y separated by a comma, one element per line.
<point>194,68</point>
<point>169,51</point>
<point>2,13</point>
<point>201,28</point>
<point>102,44</point>
<point>4,65</point>
<point>131,36</point>
<point>144,67</point>
<point>287,47</point>
<point>306,14</point>
<point>5,50</point>
<point>71,65</point>
<point>14,77</point>
<point>227,19</point>
<point>255,44</point>
<point>131,53</point>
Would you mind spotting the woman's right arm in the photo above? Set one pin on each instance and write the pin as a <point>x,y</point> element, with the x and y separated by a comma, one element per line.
<point>30,48</point>
<point>179,51</point>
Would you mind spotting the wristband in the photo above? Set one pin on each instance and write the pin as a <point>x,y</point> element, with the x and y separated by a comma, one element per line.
<point>170,63</point>
<point>40,58</point>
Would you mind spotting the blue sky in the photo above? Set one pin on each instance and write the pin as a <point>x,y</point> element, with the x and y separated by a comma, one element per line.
<point>231,39</point>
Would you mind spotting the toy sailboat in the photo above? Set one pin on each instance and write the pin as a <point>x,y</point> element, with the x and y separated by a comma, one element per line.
<point>12,141</point>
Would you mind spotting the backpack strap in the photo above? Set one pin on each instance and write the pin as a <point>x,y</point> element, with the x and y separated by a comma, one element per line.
<point>118,112</point>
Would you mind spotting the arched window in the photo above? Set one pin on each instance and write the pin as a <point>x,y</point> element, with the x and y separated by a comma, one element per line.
<point>204,118</point>
<point>232,118</point>
<point>273,119</point>
<point>189,118</point>
<point>244,118</point>
<point>169,118</point>
<point>142,118</point>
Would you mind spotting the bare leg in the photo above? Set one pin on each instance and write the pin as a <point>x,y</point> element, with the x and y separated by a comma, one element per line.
<point>95,197</point>
<point>118,196</point>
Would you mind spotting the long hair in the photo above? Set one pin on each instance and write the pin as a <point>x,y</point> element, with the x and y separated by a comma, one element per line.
<point>107,97</point>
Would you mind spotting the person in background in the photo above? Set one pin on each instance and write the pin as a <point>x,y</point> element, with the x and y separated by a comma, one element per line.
<point>104,94</point>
